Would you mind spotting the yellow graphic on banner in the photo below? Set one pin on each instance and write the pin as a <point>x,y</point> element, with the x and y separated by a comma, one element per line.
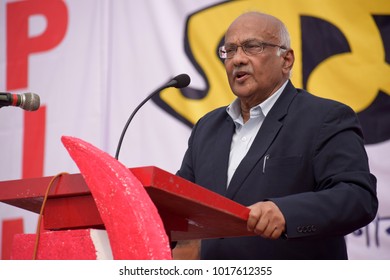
<point>353,78</point>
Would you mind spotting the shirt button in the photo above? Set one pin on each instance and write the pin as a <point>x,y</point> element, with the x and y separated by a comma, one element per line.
<point>243,139</point>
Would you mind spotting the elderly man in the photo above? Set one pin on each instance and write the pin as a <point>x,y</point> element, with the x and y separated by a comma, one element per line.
<point>296,160</point>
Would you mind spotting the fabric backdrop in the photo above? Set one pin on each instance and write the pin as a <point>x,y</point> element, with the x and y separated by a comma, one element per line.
<point>93,61</point>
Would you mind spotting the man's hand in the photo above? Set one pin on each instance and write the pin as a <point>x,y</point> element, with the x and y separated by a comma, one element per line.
<point>266,220</point>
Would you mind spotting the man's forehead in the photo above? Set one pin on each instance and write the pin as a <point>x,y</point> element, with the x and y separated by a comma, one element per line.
<point>244,32</point>
<point>251,26</point>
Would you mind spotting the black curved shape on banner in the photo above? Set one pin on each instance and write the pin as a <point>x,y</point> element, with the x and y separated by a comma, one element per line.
<point>320,40</point>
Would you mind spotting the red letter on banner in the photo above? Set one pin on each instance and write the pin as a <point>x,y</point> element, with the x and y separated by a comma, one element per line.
<point>20,46</point>
<point>10,228</point>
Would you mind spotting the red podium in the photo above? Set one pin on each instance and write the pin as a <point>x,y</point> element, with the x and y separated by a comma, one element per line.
<point>188,211</point>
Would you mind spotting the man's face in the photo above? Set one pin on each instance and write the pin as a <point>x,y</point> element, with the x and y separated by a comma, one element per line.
<point>254,77</point>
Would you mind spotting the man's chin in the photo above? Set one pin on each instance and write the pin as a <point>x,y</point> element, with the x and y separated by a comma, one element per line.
<point>242,91</point>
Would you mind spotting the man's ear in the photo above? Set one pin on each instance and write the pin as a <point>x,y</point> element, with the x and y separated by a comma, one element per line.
<point>288,60</point>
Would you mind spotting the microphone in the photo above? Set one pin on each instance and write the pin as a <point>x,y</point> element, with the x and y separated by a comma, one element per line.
<point>180,81</point>
<point>27,101</point>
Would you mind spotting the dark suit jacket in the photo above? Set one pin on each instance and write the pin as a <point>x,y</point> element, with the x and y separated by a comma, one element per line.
<point>308,157</point>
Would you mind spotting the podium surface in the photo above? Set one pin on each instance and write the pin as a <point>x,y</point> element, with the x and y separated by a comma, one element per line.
<point>188,211</point>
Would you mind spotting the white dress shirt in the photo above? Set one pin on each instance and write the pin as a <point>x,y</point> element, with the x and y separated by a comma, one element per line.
<point>245,133</point>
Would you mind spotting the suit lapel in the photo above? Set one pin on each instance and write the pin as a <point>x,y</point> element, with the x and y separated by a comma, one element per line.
<point>222,151</point>
<point>264,138</point>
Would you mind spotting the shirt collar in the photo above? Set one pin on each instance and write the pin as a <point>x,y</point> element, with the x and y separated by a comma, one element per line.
<point>234,109</point>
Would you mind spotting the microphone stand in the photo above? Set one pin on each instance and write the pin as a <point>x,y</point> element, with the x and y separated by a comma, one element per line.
<point>179,81</point>
<point>132,116</point>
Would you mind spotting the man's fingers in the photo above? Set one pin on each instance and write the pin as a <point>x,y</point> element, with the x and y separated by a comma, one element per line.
<point>254,217</point>
<point>266,220</point>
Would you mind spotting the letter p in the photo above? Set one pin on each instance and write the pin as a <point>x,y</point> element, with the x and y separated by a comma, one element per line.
<point>20,45</point>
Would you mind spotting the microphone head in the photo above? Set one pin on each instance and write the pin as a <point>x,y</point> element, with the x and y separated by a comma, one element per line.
<point>181,81</point>
<point>30,101</point>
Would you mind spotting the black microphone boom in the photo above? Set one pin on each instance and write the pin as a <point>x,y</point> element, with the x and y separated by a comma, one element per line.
<point>180,81</point>
<point>27,101</point>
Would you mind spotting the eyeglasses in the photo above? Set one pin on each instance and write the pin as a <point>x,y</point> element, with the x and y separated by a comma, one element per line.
<point>251,47</point>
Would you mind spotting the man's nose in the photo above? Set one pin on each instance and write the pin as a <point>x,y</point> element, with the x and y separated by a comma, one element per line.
<point>240,57</point>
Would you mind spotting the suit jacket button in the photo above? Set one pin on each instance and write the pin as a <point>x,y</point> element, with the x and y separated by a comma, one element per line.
<point>299,229</point>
